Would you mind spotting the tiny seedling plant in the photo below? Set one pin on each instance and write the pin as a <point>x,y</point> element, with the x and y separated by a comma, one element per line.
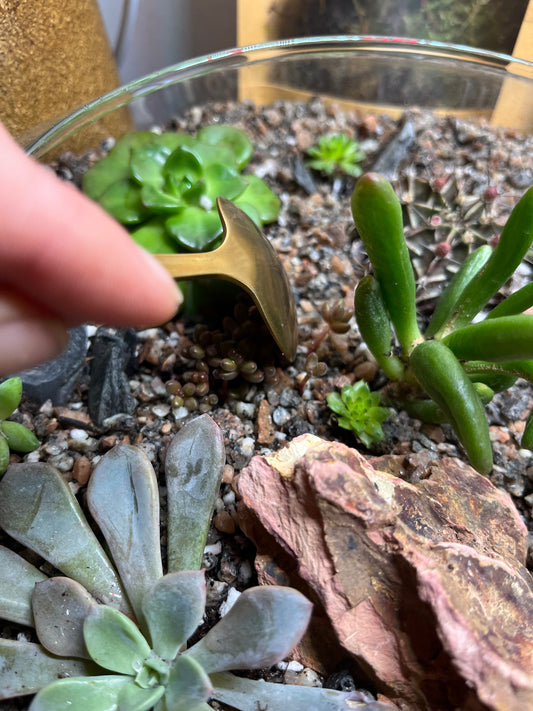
<point>448,373</point>
<point>336,154</point>
<point>113,629</point>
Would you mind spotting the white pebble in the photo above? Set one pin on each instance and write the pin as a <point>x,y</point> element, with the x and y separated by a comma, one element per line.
<point>230,600</point>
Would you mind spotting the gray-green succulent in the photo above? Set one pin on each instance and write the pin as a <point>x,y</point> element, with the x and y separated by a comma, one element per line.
<point>113,635</point>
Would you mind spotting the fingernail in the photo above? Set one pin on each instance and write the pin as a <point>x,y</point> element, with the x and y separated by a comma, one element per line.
<point>163,277</point>
<point>26,343</point>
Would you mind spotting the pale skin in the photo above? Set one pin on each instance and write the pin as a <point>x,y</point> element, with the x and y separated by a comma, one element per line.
<point>63,262</point>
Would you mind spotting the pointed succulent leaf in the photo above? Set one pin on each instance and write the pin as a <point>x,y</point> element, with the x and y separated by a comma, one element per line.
<point>18,437</point>
<point>4,455</point>
<point>258,194</point>
<point>229,138</point>
<point>275,618</point>
<point>134,698</point>
<point>28,667</point>
<point>60,606</point>
<point>99,693</point>
<point>173,608</point>
<point>10,394</point>
<point>188,686</point>
<point>153,237</point>
<point>194,464</point>
<point>123,498</point>
<point>250,695</point>
<point>114,641</point>
<point>195,229</point>
<point>38,509</point>
<point>17,581</point>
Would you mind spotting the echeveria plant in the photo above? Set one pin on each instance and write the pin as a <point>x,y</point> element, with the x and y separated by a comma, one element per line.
<point>13,435</point>
<point>335,154</point>
<point>447,373</point>
<point>113,635</point>
<point>163,187</point>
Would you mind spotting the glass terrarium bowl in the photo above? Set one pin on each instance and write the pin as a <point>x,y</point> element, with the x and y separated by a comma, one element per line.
<point>367,74</point>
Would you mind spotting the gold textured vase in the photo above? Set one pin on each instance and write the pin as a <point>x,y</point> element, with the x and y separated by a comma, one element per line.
<point>55,56</point>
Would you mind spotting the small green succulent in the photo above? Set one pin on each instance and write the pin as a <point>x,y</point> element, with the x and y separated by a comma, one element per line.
<point>336,153</point>
<point>113,632</point>
<point>358,409</point>
<point>448,372</point>
<point>163,187</point>
<point>13,436</point>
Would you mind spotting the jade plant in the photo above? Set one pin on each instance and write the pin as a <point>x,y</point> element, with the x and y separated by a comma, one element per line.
<point>113,635</point>
<point>359,410</point>
<point>448,372</point>
<point>13,435</point>
<point>336,154</point>
<point>163,187</point>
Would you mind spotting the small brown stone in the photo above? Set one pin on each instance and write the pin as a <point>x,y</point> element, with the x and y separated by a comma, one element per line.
<point>265,428</point>
<point>223,522</point>
<point>81,470</point>
<point>228,474</point>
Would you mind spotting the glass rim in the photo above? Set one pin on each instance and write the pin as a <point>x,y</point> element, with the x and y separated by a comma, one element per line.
<point>40,141</point>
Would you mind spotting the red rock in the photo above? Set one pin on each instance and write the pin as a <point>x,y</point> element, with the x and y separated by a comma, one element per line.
<point>424,584</point>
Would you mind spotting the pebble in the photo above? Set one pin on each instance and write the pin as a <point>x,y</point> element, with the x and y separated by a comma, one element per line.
<point>232,597</point>
<point>280,416</point>
<point>81,470</point>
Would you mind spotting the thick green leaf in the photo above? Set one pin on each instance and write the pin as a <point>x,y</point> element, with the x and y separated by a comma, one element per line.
<point>158,201</point>
<point>26,667</point>
<point>154,238</point>
<point>250,695</point>
<point>258,194</point>
<point>274,620</point>
<point>229,138</point>
<point>38,509</point>
<point>99,693</point>
<point>147,163</point>
<point>188,687</point>
<point>173,608</point>
<point>60,606</point>
<point>114,641</point>
<point>123,498</point>
<point>10,394</point>
<point>135,698</point>
<point>123,201</point>
<point>115,166</point>
<point>19,438</point>
<point>194,464</point>
<point>4,455</point>
<point>183,163</point>
<point>222,181</point>
<point>17,581</point>
<point>195,229</point>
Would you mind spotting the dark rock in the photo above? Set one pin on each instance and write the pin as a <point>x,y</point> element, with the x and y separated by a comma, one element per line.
<point>109,390</point>
<point>394,153</point>
<point>56,379</point>
<point>303,177</point>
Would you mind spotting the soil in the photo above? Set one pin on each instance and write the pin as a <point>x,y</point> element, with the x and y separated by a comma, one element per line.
<point>467,173</point>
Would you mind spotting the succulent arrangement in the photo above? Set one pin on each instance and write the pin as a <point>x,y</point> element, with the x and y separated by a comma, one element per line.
<point>113,635</point>
<point>13,435</point>
<point>336,154</point>
<point>163,187</point>
<point>447,373</point>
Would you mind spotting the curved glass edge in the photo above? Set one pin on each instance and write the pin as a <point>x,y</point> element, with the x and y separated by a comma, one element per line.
<point>250,55</point>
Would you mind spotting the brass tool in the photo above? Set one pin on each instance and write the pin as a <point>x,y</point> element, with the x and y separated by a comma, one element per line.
<point>246,258</point>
